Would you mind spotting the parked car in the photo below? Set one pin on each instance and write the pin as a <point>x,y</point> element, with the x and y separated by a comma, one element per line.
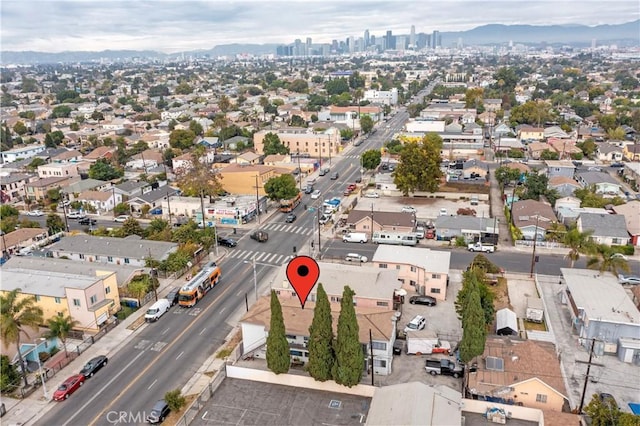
<point>334,176</point>
<point>617,165</point>
<point>87,221</point>
<point>355,257</point>
<point>93,366</point>
<point>173,296</point>
<point>290,218</point>
<point>308,189</point>
<point>629,279</point>
<point>68,387</point>
<point>323,172</point>
<point>408,209</point>
<point>443,212</point>
<point>417,323</point>
<point>358,180</point>
<point>423,300</point>
<point>76,215</point>
<point>226,241</point>
<point>618,256</point>
<point>36,213</point>
<point>159,412</point>
<point>372,194</point>
<point>315,194</point>
<point>122,218</point>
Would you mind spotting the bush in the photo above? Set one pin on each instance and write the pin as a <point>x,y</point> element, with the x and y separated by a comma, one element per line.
<point>175,400</point>
<point>461,241</point>
<point>44,356</point>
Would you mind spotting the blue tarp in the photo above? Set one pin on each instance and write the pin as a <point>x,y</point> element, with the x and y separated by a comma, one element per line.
<point>635,408</point>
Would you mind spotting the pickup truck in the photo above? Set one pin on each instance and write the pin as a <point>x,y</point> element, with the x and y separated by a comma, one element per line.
<point>483,248</point>
<point>444,367</point>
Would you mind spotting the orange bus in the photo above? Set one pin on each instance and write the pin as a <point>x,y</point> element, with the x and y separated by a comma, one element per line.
<point>287,206</point>
<point>199,285</point>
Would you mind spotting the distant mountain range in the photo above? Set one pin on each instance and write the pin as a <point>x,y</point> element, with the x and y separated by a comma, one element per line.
<point>627,34</point>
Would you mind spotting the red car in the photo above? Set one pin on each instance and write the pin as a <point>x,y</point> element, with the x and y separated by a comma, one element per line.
<point>352,187</point>
<point>68,387</point>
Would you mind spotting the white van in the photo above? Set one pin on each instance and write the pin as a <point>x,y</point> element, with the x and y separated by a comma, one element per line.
<point>157,310</point>
<point>355,237</point>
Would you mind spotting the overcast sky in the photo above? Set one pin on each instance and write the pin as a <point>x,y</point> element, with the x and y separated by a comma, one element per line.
<point>177,25</point>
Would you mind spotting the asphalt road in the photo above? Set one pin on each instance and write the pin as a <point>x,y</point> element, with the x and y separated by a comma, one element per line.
<point>73,223</point>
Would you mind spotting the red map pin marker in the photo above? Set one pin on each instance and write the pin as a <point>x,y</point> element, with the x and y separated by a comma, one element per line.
<point>303,273</point>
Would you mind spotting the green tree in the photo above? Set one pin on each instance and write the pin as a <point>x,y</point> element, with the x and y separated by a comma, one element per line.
<point>371,159</point>
<point>55,223</point>
<point>137,289</point>
<point>224,103</point>
<point>102,170</point>
<point>9,376</point>
<point>608,122</point>
<point>59,328</point>
<point>8,211</point>
<point>273,145</point>
<point>346,134</point>
<point>473,280</point>
<point>321,355</point>
<point>506,79</point>
<point>181,139</point>
<point>183,89</point>
<point>196,128</point>
<point>297,121</point>
<point>131,226</point>
<point>604,261</point>
<point>20,128</point>
<point>419,168</point>
<point>505,175</point>
<point>366,123</point>
<point>474,330</point>
<point>282,187</point>
<point>61,111</point>
<point>336,86</point>
<point>531,112</point>
<point>299,86</point>
<point>175,400</point>
<point>605,412</point>
<point>17,312</point>
<point>588,147</point>
<point>473,97</point>
<point>278,357</point>
<point>535,186</point>
<point>578,243</point>
<point>36,162</point>
<point>200,179</point>
<point>349,363</point>
<point>616,134</point>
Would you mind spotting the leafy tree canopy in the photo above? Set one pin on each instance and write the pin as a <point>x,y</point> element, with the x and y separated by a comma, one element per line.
<point>371,159</point>
<point>273,145</point>
<point>282,187</point>
<point>336,86</point>
<point>102,170</point>
<point>182,139</point>
<point>366,123</point>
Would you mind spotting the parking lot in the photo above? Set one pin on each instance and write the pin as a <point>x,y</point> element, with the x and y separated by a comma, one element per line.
<point>441,319</point>
<point>247,402</point>
<point>426,208</point>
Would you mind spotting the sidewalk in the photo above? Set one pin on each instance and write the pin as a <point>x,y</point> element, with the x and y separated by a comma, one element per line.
<point>29,410</point>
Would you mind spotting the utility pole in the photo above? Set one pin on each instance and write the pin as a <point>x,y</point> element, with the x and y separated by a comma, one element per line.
<point>319,228</point>
<point>154,276</point>
<point>257,201</point>
<point>371,351</point>
<point>371,221</point>
<point>299,172</point>
<point>329,138</point>
<point>167,193</point>
<point>113,192</point>
<point>535,240</point>
<point>586,377</point>
<point>204,223</point>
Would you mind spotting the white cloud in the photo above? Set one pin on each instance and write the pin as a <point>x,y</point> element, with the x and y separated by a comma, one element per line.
<point>173,25</point>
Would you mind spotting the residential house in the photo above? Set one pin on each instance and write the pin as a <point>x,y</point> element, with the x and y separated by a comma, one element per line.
<point>13,187</point>
<point>535,149</point>
<point>470,227</point>
<point>530,134</point>
<point>519,372</point>
<point>234,142</point>
<point>101,201</point>
<point>76,187</point>
<point>560,168</point>
<point>210,142</point>
<point>426,271</point>
<point>131,250</point>
<point>350,115</point>
<point>632,152</point>
<point>153,198</point>
<point>492,105</point>
<point>382,97</point>
<point>505,145</point>
<point>600,308</point>
<point>609,152</point>
<point>68,156</point>
<point>247,158</point>
<point>565,186</point>
<point>131,188</point>
<point>532,218</point>
<point>38,190</point>
<point>440,404</point>
<point>21,238</point>
<point>608,229</point>
<point>591,132</point>
<point>100,153</point>
<point>566,148</point>
<point>21,152</point>
<point>474,169</point>
<point>555,132</point>
<point>182,163</point>
<point>631,212</point>
<point>90,301</point>
<point>370,222</point>
<point>377,331</point>
<point>58,170</point>
<point>603,183</point>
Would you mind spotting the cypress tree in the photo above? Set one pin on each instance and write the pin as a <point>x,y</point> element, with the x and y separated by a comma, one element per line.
<point>474,330</point>
<point>278,357</point>
<point>347,370</point>
<point>321,355</point>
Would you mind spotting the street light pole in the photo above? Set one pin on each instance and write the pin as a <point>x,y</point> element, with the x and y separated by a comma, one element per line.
<point>44,386</point>
<point>535,240</point>
<point>257,201</point>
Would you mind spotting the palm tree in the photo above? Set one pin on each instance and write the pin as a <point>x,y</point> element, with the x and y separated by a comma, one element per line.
<point>59,328</point>
<point>578,243</point>
<point>16,314</point>
<point>605,261</point>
